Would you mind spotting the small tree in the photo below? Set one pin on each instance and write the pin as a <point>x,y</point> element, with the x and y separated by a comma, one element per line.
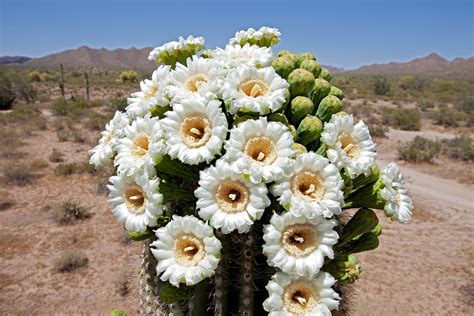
<point>381,85</point>
<point>129,76</point>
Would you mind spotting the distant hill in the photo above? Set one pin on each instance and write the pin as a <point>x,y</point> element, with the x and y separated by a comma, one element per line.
<point>433,64</point>
<point>4,60</point>
<point>84,56</point>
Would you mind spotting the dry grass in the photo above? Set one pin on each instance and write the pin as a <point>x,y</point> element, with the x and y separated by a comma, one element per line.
<point>56,156</point>
<point>5,202</point>
<point>71,261</point>
<point>70,211</point>
<point>18,173</point>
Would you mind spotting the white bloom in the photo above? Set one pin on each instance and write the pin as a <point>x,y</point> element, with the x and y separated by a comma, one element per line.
<point>313,189</point>
<point>349,146</point>
<point>142,146</point>
<point>187,251</point>
<point>227,201</point>
<point>136,200</point>
<point>398,204</point>
<point>260,150</point>
<point>153,93</point>
<point>297,244</point>
<point>196,130</point>
<point>266,36</point>
<point>293,295</point>
<point>191,45</point>
<point>200,76</point>
<point>105,150</point>
<point>250,89</point>
<point>236,55</point>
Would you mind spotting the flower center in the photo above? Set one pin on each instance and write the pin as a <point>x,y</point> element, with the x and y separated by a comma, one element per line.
<point>140,145</point>
<point>196,131</point>
<point>193,82</point>
<point>151,92</point>
<point>254,88</point>
<point>232,196</point>
<point>309,186</point>
<point>189,250</point>
<point>261,149</point>
<point>300,297</point>
<point>349,145</point>
<point>135,199</point>
<point>299,240</point>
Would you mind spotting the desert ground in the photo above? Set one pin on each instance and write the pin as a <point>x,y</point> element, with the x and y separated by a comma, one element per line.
<point>421,268</point>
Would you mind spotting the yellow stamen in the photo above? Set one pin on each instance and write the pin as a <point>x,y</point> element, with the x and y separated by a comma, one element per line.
<point>260,156</point>
<point>195,131</point>
<point>300,299</point>
<point>232,196</point>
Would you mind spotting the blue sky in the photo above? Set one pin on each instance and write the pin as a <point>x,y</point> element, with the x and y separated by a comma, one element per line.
<point>341,33</point>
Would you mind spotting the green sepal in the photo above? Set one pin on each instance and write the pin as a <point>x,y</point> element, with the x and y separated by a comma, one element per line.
<point>364,221</point>
<point>176,168</point>
<point>364,180</point>
<point>139,236</point>
<point>322,150</point>
<point>328,106</point>
<point>170,294</point>
<point>278,117</point>
<point>346,268</point>
<point>174,192</point>
<point>300,149</point>
<point>366,196</point>
<point>159,111</point>
<point>366,242</point>
<point>348,184</point>
<point>242,118</point>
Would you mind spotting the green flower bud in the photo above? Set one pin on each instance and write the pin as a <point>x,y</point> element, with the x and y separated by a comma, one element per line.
<point>301,82</point>
<point>342,113</point>
<point>366,242</point>
<point>117,312</point>
<point>335,91</point>
<point>312,66</point>
<point>283,66</point>
<point>325,74</point>
<point>292,130</point>
<point>137,236</point>
<point>299,108</point>
<point>309,130</point>
<point>307,56</point>
<point>170,294</point>
<point>159,111</point>
<point>364,221</point>
<point>284,53</point>
<point>278,117</point>
<point>300,149</point>
<point>346,269</point>
<point>366,196</point>
<point>320,89</point>
<point>327,107</point>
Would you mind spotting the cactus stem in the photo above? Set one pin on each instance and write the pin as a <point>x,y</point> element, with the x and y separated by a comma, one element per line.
<point>220,281</point>
<point>247,279</point>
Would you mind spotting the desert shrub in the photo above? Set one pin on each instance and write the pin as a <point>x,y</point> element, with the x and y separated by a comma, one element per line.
<point>380,85</point>
<point>72,108</point>
<point>77,136</point>
<point>5,202</point>
<point>459,148</point>
<point>69,211</point>
<point>7,93</point>
<point>378,131</point>
<point>405,119</point>
<point>129,76</point>
<point>118,104</point>
<point>123,285</point>
<point>413,83</point>
<point>35,76</point>
<point>466,105</point>
<point>97,121</point>
<point>18,173</point>
<point>59,107</point>
<point>425,104</point>
<point>38,164</point>
<point>56,156</point>
<point>419,150</point>
<point>66,169</point>
<point>63,123</point>
<point>23,89</point>
<point>71,261</point>
<point>63,135</point>
<point>448,117</point>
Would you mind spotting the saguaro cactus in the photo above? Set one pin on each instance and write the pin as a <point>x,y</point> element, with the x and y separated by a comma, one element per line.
<point>236,169</point>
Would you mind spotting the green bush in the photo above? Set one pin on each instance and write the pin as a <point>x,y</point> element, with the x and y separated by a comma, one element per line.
<point>466,105</point>
<point>413,83</point>
<point>7,93</point>
<point>404,119</point>
<point>18,173</point>
<point>459,148</point>
<point>35,76</point>
<point>425,104</point>
<point>119,104</point>
<point>66,169</point>
<point>381,85</point>
<point>378,131</point>
<point>129,76</point>
<point>72,108</point>
<point>419,150</point>
<point>448,117</point>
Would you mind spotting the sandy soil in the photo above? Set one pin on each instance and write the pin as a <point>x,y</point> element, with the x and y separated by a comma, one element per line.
<point>424,267</point>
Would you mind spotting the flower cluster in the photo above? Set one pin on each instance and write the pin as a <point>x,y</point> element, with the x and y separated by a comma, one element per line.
<point>219,143</point>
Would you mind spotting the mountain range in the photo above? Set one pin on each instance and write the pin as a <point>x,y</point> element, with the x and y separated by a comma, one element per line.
<point>134,58</point>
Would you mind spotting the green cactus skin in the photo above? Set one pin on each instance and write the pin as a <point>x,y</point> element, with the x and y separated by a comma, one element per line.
<point>363,180</point>
<point>325,74</point>
<point>198,304</point>
<point>366,242</point>
<point>320,90</point>
<point>299,108</point>
<point>301,82</point>
<point>283,66</point>
<point>312,66</point>
<point>364,221</point>
<point>366,196</point>
<point>327,107</point>
<point>309,130</point>
<point>300,149</point>
<point>335,91</point>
